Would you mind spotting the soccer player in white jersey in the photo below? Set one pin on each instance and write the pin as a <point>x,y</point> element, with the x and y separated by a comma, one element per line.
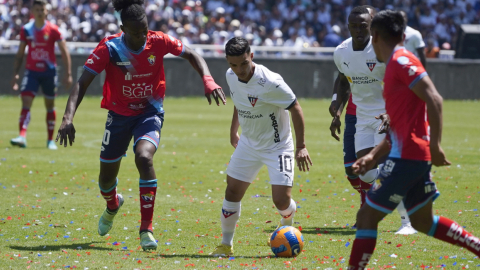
<point>414,41</point>
<point>358,66</point>
<point>262,102</point>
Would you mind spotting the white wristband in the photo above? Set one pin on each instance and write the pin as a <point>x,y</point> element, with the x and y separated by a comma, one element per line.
<point>334,97</point>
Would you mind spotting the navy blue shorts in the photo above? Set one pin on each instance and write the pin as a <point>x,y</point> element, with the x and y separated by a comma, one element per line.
<point>119,130</point>
<point>32,80</point>
<point>402,179</point>
<point>349,154</point>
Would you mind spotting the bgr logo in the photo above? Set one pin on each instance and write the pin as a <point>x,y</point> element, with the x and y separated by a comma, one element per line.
<point>138,90</point>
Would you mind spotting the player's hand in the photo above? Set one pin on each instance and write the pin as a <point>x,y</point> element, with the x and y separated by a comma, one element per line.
<point>385,125</point>
<point>211,88</point>
<point>333,108</point>
<point>234,138</point>
<point>364,164</point>
<point>14,82</point>
<point>303,159</point>
<point>335,127</point>
<point>438,156</point>
<point>67,81</point>
<point>66,132</point>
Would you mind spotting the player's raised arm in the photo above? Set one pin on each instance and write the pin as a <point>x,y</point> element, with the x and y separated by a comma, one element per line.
<point>67,130</point>
<point>67,63</point>
<point>425,90</point>
<point>17,63</point>
<point>199,64</point>
<point>301,155</point>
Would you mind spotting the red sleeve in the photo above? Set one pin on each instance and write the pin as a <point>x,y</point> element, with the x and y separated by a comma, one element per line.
<point>57,33</point>
<point>409,69</point>
<point>98,60</point>
<point>22,35</point>
<point>173,45</point>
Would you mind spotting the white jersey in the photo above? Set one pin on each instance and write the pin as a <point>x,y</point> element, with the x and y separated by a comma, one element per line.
<point>262,105</point>
<point>365,75</point>
<point>413,40</point>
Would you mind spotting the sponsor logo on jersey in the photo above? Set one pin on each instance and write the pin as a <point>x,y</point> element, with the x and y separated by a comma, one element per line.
<point>138,106</point>
<point>96,56</point>
<point>252,99</point>
<point>137,90</point>
<point>262,82</point>
<point>412,70</point>
<point>109,120</point>
<point>151,59</point>
<point>148,197</point>
<point>248,114</point>
<point>395,198</point>
<point>128,76</point>
<point>349,79</point>
<point>142,75</point>
<point>227,214</point>
<point>346,64</point>
<point>371,64</point>
<point>403,60</point>
<point>123,63</point>
<point>90,61</point>
<point>276,136</point>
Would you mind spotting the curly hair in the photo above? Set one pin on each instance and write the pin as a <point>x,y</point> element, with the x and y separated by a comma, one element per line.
<point>130,10</point>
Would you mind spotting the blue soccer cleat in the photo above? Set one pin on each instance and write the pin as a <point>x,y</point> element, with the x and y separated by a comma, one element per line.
<point>106,220</point>
<point>19,141</point>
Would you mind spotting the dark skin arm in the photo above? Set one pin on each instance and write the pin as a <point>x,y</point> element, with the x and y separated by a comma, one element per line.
<point>422,57</point>
<point>66,132</point>
<point>343,92</point>
<point>199,64</point>
<point>17,63</point>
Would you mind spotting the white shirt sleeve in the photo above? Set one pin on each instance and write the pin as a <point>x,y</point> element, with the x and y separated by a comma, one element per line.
<point>337,60</point>
<point>280,94</point>
<point>418,40</point>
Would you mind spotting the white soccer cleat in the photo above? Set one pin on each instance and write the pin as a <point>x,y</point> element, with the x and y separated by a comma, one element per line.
<point>19,141</point>
<point>406,229</point>
<point>147,241</point>
<point>106,220</point>
<point>51,145</point>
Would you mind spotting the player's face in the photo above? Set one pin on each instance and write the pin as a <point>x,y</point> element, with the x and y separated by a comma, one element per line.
<point>241,65</point>
<point>359,27</point>
<point>135,33</point>
<point>39,12</point>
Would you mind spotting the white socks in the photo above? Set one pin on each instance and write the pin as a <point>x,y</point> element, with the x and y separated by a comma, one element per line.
<point>403,213</point>
<point>370,176</point>
<point>288,214</point>
<point>229,217</point>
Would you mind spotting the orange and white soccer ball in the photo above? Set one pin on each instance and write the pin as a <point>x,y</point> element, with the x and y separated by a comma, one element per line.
<point>286,241</point>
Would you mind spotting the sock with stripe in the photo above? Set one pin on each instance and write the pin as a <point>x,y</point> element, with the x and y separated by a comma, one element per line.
<point>451,232</point>
<point>24,121</point>
<point>288,214</point>
<point>229,217</point>
<point>110,196</point>
<point>362,249</point>
<point>51,117</point>
<point>148,191</point>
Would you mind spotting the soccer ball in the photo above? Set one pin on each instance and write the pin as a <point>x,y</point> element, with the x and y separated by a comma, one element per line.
<point>286,241</point>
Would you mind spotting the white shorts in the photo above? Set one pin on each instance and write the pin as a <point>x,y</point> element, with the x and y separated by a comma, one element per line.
<point>246,162</point>
<point>366,134</point>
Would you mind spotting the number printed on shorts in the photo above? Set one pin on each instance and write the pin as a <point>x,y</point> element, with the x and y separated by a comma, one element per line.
<point>285,163</point>
<point>106,137</point>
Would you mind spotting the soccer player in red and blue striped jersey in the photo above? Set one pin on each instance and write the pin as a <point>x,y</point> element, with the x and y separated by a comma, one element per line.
<point>133,92</point>
<point>415,110</point>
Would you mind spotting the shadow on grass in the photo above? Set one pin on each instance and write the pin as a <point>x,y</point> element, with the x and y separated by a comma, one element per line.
<point>329,231</point>
<point>208,256</point>
<point>59,247</point>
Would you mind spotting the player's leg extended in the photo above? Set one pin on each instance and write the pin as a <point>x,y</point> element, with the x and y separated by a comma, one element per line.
<point>366,237</point>
<point>444,229</point>
<point>286,206</point>
<point>51,117</point>
<point>349,155</point>
<point>107,181</point>
<point>24,120</point>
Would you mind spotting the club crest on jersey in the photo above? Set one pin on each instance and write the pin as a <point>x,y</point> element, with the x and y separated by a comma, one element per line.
<point>371,64</point>
<point>148,197</point>
<point>377,184</point>
<point>253,100</point>
<point>226,213</point>
<point>45,37</point>
<point>151,59</point>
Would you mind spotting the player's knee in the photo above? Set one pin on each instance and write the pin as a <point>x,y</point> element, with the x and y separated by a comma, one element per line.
<point>421,223</point>
<point>233,194</point>
<point>143,158</point>
<point>106,181</point>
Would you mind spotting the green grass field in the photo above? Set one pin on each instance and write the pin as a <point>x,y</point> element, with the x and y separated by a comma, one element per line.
<point>51,202</point>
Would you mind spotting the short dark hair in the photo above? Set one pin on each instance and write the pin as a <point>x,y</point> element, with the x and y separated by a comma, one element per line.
<point>237,46</point>
<point>390,25</point>
<point>39,2</point>
<point>130,10</point>
<point>359,10</point>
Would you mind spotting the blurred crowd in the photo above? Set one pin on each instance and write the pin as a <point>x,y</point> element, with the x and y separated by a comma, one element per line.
<point>292,23</point>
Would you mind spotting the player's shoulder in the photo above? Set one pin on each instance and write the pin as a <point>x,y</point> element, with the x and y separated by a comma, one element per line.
<point>266,76</point>
<point>51,25</point>
<point>230,73</point>
<point>412,31</point>
<point>28,25</point>
<point>402,58</point>
<point>344,45</point>
<point>156,35</point>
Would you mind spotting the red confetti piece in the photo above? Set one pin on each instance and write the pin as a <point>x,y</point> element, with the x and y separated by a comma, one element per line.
<point>399,245</point>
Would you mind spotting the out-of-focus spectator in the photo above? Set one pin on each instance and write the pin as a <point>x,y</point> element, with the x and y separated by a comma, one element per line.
<point>333,38</point>
<point>431,51</point>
